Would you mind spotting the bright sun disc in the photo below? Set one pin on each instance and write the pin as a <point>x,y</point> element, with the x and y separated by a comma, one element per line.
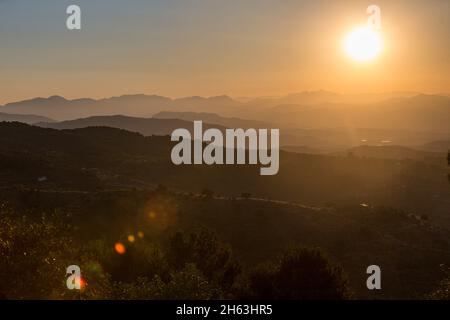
<point>363,44</point>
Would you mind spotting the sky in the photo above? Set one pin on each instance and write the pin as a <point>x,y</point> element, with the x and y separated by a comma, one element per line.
<point>241,48</point>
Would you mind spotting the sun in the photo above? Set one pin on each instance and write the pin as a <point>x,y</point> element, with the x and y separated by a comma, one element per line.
<point>363,44</point>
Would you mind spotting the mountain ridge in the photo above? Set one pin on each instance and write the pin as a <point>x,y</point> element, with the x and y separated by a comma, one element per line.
<point>144,126</point>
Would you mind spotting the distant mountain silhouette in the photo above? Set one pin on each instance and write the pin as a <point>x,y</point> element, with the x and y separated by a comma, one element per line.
<point>296,140</point>
<point>62,109</point>
<point>419,113</point>
<point>302,149</point>
<point>140,105</point>
<point>25,118</point>
<point>338,139</point>
<point>213,118</point>
<point>223,100</point>
<point>317,110</point>
<point>322,96</point>
<point>144,126</point>
<point>436,146</point>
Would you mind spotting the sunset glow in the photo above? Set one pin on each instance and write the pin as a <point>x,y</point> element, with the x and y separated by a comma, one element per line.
<point>210,157</point>
<point>363,44</point>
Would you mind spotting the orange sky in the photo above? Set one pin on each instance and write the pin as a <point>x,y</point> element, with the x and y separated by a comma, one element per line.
<point>240,48</point>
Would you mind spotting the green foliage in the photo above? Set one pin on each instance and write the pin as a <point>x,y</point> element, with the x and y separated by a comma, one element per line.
<point>204,250</point>
<point>36,252</point>
<point>299,274</point>
<point>188,284</point>
<point>34,257</point>
<point>144,260</point>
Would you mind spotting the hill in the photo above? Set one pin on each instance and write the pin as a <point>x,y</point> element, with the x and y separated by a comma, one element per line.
<point>359,211</point>
<point>322,97</point>
<point>118,157</point>
<point>436,146</point>
<point>25,118</point>
<point>419,113</point>
<point>139,105</point>
<point>318,111</point>
<point>144,126</point>
<point>213,118</point>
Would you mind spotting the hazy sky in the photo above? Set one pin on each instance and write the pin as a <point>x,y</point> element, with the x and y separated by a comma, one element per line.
<point>211,47</point>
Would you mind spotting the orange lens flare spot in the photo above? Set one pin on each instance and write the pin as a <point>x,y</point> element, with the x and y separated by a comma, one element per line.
<point>83,283</point>
<point>152,215</point>
<point>120,248</point>
<point>131,238</point>
<point>140,234</point>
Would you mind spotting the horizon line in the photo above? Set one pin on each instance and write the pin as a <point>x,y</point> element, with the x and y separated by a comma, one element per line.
<point>236,98</point>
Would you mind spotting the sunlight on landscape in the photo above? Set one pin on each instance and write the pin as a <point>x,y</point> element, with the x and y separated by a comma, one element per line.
<point>212,152</point>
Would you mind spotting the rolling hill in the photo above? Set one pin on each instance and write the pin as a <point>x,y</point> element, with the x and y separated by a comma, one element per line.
<point>25,118</point>
<point>436,146</point>
<point>139,105</point>
<point>358,211</point>
<point>426,113</point>
<point>120,157</point>
<point>144,126</point>
<point>213,118</point>
<point>418,113</point>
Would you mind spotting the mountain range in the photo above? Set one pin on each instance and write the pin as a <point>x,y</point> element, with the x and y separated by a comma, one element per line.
<point>59,108</point>
<point>214,118</point>
<point>24,118</point>
<point>319,120</point>
<point>318,109</point>
<point>144,126</point>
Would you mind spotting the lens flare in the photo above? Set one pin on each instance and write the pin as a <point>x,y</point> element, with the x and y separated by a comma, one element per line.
<point>83,283</point>
<point>120,248</point>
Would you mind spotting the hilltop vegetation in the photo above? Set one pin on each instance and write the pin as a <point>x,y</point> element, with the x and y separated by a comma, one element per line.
<point>107,157</point>
<point>102,185</point>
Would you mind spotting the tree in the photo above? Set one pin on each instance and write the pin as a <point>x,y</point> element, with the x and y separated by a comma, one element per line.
<point>299,274</point>
<point>207,253</point>
<point>34,255</point>
<point>188,284</point>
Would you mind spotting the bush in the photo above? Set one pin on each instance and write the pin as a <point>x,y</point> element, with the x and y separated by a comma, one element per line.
<point>205,251</point>
<point>34,255</point>
<point>299,274</point>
